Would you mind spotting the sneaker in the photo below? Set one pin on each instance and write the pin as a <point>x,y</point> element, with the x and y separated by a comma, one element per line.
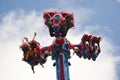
<point>54,64</point>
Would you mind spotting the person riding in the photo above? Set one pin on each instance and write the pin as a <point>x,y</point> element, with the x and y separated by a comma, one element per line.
<point>26,50</point>
<point>58,23</point>
<point>35,49</point>
<point>95,47</point>
<point>32,51</point>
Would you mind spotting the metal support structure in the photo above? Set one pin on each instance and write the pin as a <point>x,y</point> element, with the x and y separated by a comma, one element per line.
<point>62,67</point>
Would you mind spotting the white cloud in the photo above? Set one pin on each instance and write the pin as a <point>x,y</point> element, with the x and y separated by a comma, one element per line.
<point>16,25</point>
<point>118,0</point>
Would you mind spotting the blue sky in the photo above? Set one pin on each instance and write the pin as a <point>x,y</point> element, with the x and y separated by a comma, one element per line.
<point>23,17</point>
<point>106,11</point>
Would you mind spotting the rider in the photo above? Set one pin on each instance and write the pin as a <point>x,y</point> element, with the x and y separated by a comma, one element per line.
<point>86,45</point>
<point>26,50</point>
<point>34,52</point>
<point>58,23</point>
<point>95,47</point>
<point>34,45</point>
<point>26,53</point>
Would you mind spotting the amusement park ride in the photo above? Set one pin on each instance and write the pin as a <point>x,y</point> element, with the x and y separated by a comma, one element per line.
<point>58,24</point>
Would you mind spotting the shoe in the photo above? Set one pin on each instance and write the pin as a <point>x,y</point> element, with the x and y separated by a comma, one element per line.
<point>69,63</point>
<point>54,64</point>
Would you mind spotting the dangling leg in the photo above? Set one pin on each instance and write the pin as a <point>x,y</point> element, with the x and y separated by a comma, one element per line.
<point>32,67</point>
<point>51,31</point>
<point>69,63</point>
<point>95,53</point>
<point>39,60</point>
<point>86,53</point>
<point>42,65</point>
<point>54,64</point>
<point>43,62</point>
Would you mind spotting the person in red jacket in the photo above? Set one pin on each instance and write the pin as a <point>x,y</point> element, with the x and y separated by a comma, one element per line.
<point>34,52</point>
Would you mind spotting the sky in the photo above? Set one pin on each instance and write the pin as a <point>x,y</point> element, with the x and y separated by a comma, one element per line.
<point>19,18</point>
